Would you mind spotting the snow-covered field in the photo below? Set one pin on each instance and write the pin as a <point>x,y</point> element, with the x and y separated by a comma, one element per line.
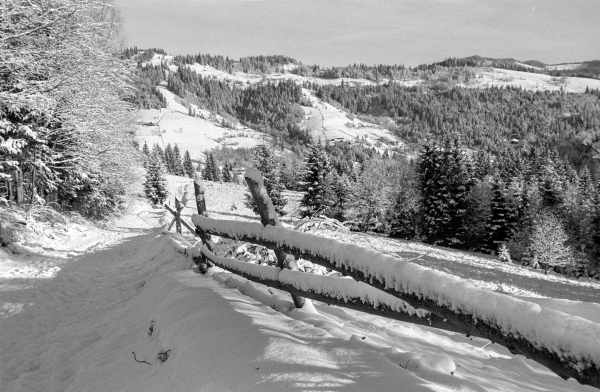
<point>121,289</point>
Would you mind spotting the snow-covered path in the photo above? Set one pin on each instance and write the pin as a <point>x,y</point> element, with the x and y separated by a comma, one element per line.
<point>78,330</point>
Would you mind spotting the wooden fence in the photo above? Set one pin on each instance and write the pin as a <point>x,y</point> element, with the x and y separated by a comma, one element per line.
<point>376,287</point>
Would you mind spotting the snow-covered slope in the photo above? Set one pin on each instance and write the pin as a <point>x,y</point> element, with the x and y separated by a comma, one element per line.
<point>78,330</point>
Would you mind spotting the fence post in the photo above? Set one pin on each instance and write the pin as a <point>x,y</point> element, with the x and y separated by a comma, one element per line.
<point>178,208</point>
<point>201,206</point>
<point>268,217</point>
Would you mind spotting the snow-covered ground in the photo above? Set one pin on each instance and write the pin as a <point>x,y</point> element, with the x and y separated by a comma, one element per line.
<point>77,327</point>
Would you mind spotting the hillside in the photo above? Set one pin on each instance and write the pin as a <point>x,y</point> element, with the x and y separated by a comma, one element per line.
<point>77,327</point>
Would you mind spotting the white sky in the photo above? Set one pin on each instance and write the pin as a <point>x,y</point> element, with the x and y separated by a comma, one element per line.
<point>339,32</point>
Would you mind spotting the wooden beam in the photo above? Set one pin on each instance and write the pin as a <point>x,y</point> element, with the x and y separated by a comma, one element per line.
<point>268,217</point>
<point>563,366</point>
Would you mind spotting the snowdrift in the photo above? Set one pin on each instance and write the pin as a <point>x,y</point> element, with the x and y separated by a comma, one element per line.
<point>567,344</point>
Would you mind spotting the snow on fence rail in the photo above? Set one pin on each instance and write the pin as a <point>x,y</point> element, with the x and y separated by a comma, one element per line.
<point>395,288</point>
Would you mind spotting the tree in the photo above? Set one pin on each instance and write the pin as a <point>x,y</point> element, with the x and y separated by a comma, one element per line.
<point>313,184</point>
<point>445,179</point>
<point>548,242</point>
<point>502,220</point>
<point>270,169</point>
<point>155,186</point>
<point>188,166</point>
<point>208,173</point>
<point>169,159</point>
<point>60,77</point>
<point>177,165</point>
<point>227,173</point>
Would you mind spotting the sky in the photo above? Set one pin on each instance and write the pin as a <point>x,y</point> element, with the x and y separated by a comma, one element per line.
<point>341,32</point>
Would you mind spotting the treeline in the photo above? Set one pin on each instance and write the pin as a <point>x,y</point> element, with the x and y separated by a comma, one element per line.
<point>250,64</point>
<point>532,208</point>
<point>273,108</point>
<point>146,96</point>
<point>141,55</point>
<point>488,119</point>
<point>588,69</point>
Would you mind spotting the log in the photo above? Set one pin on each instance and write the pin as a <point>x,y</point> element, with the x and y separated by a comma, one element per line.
<point>268,217</point>
<point>351,303</point>
<point>563,366</point>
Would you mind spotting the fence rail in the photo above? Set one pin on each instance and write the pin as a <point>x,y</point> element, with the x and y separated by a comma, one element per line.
<point>398,289</point>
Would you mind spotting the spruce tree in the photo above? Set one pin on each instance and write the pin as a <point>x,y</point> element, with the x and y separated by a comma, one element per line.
<point>208,173</point>
<point>445,179</point>
<point>169,159</point>
<point>177,165</point>
<point>502,219</point>
<point>216,171</point>
<point>155,186</point>
<point>270,169</point>
<point>188,166</point>
<point>227,173</point>
<point>313,184</point>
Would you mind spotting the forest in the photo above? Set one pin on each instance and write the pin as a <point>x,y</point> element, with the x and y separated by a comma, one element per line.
<point>504,171</point>
<point>66,124</point>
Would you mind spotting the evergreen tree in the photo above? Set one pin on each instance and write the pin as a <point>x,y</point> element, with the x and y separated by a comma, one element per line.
<point>227,173</point>
<point>502,219</point>
<point>313,184</point>
<point>177,165</point>
<point>208,173</point>
<point>146,152</point>
<point>445,178</point>
<point>188,166</point>
<point>145,149</point>
<point>270,169</point>
<point>340,195</point>
<point>169,159</point>
<point>155,186</point>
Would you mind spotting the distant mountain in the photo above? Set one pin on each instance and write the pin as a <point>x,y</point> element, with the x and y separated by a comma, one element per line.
<point>586,69</point>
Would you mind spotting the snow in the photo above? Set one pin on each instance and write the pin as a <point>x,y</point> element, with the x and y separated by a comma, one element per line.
<point>562,333</point>
<point>531,81</point>
<point>130,289</point>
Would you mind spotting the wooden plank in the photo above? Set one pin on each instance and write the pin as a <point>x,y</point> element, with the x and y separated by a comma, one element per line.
<point>268,217</point>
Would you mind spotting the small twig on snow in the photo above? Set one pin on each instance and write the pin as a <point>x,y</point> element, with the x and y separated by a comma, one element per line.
<point>140,361</point>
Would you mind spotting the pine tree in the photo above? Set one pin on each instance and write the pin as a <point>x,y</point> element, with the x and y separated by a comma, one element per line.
<point>227,173</point>
<point>502,219</point>
<point>270,169</point>
<point>169,159</point>
<point>177,165</point>
<point>340,194</point>
<point>313,184</point>
<point>208,173</point>
<point>216,172</point>
<point>188,166</point>
<point>146,156</point>
<point>155,186</point>
<point>145,149</point>
<point>445,179</point>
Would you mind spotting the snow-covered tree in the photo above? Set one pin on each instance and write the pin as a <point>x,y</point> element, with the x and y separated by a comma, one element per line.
<point>227,173</point>
<point>548,242</point>
<point>313,184</point>
<point>177,165</point>
<point>268,165</point>
<point>60,78</point>
<point>155,186</point>
<point>188,166</point>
